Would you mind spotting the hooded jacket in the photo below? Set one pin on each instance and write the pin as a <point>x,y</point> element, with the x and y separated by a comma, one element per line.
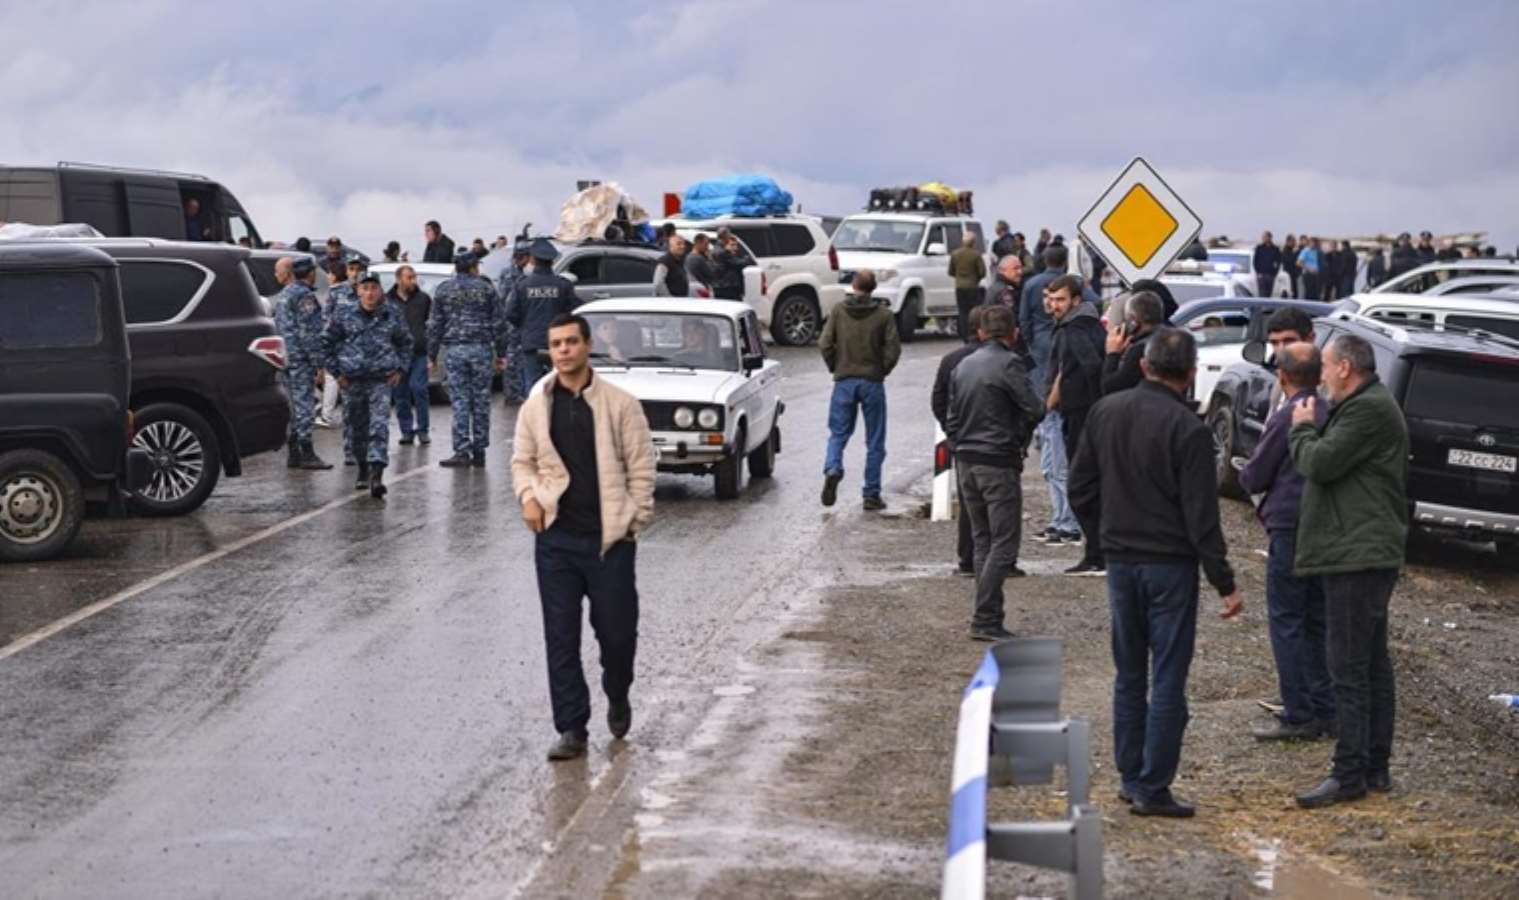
<point>1077,355</point>
<point>860,340</point>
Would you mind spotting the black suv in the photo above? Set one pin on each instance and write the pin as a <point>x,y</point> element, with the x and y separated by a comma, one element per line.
<point>205,365</point>
<point>1459,389</point>
<point>65,372</point>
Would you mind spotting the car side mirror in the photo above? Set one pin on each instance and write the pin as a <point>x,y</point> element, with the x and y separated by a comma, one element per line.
<point>1255,352</point>
<point>752,361</point>
<point>936,249</point>
<point>571,277</point>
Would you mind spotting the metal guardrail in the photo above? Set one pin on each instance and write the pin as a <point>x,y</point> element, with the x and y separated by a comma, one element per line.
<point>1010,731</point>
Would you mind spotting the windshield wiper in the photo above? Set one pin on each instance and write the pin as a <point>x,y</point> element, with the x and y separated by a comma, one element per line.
<point>662,360</point>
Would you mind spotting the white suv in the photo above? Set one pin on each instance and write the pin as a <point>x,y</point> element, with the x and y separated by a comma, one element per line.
<point>909,252</point>
<point>794,283</point>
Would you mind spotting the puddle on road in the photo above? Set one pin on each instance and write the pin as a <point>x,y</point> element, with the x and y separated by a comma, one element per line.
<point>1296,878</point>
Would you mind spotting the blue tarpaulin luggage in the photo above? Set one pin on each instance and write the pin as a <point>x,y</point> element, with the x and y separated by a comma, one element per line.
<point>736,195</point>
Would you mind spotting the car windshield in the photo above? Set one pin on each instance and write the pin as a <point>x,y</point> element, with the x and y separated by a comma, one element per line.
<point>882,235</point>
<point>634,339</point>
<point>1485,396</point>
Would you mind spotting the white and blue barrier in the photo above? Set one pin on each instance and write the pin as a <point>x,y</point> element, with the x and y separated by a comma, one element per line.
<point>946,490</point>
<point>1009,731</point>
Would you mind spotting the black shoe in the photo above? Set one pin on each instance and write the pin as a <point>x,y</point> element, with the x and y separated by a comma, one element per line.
<point>874,504</point>
<point>1167,807</point>
<point>407,440</point>
<point>350,461</point>
<point>423,438</point>
<point>478,460</point>
<point>377,487</point>
<point>1087,568</point>
<point>1379,782</point>
<point>965,571</point>
<point>1125,797</point>
<point>1053,537</point>
<point>1329,728</point>
<point>831,487</point>
<point>997,633</point>
<point>457,461</point>
<point>1288,731</point>
<point>619,719</point>
<point>571,745</point>
<point>362,482</point>
<point>1328,793</point>
<point>1016,572</point>
<point>310,461</point>
<point>293,458</point>
<point>1071,537</point>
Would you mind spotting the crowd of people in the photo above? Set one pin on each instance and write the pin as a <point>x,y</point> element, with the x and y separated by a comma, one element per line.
<point>1322,269</point>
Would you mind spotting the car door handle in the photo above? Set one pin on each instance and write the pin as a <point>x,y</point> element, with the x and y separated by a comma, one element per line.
<point>601,295</point>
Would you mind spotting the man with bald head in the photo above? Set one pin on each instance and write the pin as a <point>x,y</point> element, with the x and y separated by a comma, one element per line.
<point>1294,603</point>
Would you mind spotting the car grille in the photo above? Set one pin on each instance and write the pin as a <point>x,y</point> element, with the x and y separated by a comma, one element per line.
<point>661,415</point>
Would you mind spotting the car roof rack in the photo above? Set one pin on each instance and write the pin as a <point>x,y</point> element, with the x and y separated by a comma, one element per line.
<point>1404,329</point>
<point>97,167</point>
<point>912,199</point>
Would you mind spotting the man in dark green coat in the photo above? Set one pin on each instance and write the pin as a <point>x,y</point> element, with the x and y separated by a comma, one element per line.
<point>1352,532</point>
<point>860,346</point>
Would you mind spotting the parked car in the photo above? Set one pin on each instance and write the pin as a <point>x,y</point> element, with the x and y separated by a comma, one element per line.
<point>122,202</point>
<point>794,282</point>
<point>1474,284</point>
<point>1459,391</point>
<point>908,250</point>
<point>1425,277</point>
<point>1492,312</point>
<point>205,365</point>
<point>713,405</point>
<point>600,269</point>
<point>1191,279</point>
<point>1242,260</point>
<point>65,376</point>
<point>261,267</point>
<point>1222,326</point>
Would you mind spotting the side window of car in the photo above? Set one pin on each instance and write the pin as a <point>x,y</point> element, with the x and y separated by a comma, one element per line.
<point>749,335</point>
<point>975,229</point>
<point>1225,326</point>
<point>935,236</point>
<point>619,269</point>
<point>791,240</point>
<point>44,310</point>
<point>756,238</point>
<point>586,268</point>
<point>952,237</point>
<point>156,292</point>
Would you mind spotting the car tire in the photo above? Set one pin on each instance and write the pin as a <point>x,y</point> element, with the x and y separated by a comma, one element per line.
<point>907,318</point>
<point>1221,423</point>
<point>184,460</point>
<point>795,320</point>
<point>762,460</point>
<point>1508,551</point>
<point>41,505</point>
<point>728,475</point>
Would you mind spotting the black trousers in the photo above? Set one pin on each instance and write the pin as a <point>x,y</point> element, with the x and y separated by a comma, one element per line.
<point>1072,422</point>
<point>965,546</point>
<point>571,567</point>
<point>1364,694</point>
<point>966,299</point>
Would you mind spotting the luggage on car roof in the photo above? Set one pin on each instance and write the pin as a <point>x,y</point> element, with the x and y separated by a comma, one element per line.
<point>586,215</point>
<point>735,195</point>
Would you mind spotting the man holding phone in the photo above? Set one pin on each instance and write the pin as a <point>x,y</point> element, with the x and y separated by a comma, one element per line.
<point>1126,342</point>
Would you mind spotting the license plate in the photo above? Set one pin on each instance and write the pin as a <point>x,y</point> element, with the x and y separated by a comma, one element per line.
<point>1492,462</point>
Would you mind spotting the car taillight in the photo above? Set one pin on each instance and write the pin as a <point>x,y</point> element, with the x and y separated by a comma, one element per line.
<point>833,258</point>
<point>703,291</point>
<point>269,349</point>
<point>764,284</point>
<point>131,427</point>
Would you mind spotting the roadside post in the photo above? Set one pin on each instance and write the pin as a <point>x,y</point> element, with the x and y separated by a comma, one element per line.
<point>944,499</point>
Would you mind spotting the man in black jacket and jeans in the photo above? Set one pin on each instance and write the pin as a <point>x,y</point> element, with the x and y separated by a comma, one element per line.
<point>1145,468</point>
<point>1076,358</point>
<point>939,402</point>
<point>991,418</point>
<point>411,396</point>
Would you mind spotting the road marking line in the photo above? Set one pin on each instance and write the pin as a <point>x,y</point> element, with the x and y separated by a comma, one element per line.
<point>100,606</point>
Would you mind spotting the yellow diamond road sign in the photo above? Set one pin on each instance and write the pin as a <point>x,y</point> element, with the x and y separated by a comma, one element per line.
<point>1139,225</point>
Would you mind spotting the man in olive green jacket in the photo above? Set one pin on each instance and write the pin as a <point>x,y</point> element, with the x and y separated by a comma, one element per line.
<point>1352,532</point>
<point>968,268</point>
<point>860,346</point>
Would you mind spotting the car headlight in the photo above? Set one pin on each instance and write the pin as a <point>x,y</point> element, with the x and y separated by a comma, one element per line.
<point>684,417</point>
<point>707,418</point>
<point>886,275</point>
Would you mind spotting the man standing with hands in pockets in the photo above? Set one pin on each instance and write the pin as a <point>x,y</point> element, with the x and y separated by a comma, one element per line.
<point>583,470</point>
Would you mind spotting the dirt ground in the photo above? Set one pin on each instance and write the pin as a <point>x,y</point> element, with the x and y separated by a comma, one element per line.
<point>831,778</point>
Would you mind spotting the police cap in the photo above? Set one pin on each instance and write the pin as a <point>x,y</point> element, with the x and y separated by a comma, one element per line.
<point>543,249</point>
<point>465,260</point>
<point>302,266</point>
<point>369,277</point>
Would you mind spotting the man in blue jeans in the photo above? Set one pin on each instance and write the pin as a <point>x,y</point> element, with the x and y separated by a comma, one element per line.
<point>1294,604</point>
<point>411,395</point>
<point>1144,468</point>
<point>860,346</point>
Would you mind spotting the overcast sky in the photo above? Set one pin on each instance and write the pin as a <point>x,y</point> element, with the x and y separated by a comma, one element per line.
<point>365,119</point>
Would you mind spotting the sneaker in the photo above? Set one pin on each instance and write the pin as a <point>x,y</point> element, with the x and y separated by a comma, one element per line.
<point>406,440</point>
<point>619,719</point>
<point>1166,806</point>
<point>996,633</point>
<point>1016,572</point>
<point>457,461</point>
<point>1071,537</point>
<point>874,504</point>
<point>1088,569</point>
<point>422,438</point>
<point>831,487</point>
<point>1329,792</point>
<point>1289,731</point>
<point>571,745</point>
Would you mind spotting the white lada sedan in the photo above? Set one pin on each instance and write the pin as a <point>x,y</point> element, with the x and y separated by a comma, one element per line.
<point>699,368</point>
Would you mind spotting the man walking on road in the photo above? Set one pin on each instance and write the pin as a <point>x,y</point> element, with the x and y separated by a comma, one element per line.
<point>298,318</point>
<point>993,411</point>
<point>1145,469</point>
<point>1352,532</point>
<point>968,268</point>
<point>368,346</point>
<point>1076,359</point>
<point>413,403</point>
<point>466,327</point>
<point>1294,604</point>
<point>860,346</point>
<point>583,470</point>
<point>1266,262</point>
<point>939,403</point>
<point>537,300</point>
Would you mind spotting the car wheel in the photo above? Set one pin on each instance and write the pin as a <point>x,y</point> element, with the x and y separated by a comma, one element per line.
<point>762,460</point>
<point>184,460</point>
<point>41,505</point>
<point>1221,423</point>
<point>795,320</point>
<point>728,475</point>
<point>907,318</point>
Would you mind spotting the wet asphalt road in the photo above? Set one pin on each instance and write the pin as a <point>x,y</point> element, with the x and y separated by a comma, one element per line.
<point>349,696</point>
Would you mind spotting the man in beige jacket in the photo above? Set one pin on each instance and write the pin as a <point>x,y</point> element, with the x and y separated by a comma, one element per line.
<point>583,469</point>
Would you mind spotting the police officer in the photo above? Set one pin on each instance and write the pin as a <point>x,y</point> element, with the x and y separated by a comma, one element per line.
<point>367,345</point>
<point>298,317</point>
<point>511,379</point>
<point>538,299</point>
<point>466,326</point>
<point>344,295</point>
